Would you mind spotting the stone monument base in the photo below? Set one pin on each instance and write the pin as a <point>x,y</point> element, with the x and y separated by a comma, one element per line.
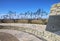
<point>53,23</point>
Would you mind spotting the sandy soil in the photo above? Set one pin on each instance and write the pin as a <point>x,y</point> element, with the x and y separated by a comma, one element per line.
<point>21,36</point>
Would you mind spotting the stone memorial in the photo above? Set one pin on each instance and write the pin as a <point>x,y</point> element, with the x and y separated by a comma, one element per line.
<point>54,19</point>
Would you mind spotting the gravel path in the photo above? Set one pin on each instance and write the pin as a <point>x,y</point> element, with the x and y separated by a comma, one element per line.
<point>7,37</point>
<point>14,35</point>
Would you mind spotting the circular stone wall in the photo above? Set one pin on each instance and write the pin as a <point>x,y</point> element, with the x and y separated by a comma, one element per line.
<point>7,37</point>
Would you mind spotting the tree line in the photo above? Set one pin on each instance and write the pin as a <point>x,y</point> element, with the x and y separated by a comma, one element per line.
<point>38,14</point>
<point>36,17</point>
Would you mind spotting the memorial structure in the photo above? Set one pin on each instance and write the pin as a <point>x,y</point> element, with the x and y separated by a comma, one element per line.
<point>54,19</point>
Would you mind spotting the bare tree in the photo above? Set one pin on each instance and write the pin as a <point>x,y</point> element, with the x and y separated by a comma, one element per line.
<point>11,14</point>
<point>40,13</point>
<point>5,16</point>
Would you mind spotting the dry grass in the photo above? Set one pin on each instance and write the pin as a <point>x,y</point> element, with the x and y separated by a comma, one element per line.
<point>23,21</point>
<point>36,22</point>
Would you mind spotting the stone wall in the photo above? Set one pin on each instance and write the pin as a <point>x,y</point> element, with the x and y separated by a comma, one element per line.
<point>55,9</point>
<point>42,34</point>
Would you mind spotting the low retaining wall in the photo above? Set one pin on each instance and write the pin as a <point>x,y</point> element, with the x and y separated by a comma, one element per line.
<point>32,26</point>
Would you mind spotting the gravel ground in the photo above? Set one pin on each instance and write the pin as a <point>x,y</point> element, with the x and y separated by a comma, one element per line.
<point>14,35</point>
<point>7,37</point>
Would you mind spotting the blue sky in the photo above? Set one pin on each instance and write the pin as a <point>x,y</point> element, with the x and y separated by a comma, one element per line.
<point>25,5</point>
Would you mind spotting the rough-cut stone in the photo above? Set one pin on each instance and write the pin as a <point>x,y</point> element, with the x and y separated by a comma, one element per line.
<point>55,9</point>
<point>54,19</point>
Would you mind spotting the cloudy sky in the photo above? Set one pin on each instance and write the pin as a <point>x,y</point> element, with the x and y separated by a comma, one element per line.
<point>25,5</point>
